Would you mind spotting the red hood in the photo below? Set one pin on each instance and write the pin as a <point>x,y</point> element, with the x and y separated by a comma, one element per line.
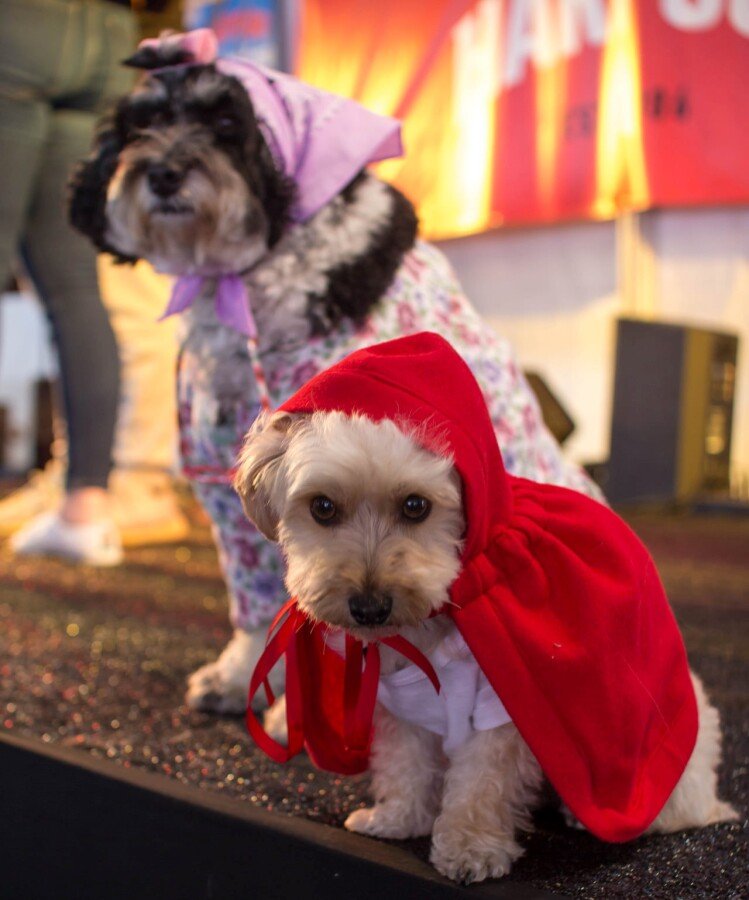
<point>421,380</point>
<point>557,599</point>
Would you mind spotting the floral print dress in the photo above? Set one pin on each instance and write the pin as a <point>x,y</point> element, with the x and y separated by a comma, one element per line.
<point>424,296</point>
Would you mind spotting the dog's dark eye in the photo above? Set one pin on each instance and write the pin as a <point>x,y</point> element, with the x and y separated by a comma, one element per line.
<point>416,508</point>
<point>145,114</point>
<point>323,510</point>
<point>140,117</point>
<point>226,126</point>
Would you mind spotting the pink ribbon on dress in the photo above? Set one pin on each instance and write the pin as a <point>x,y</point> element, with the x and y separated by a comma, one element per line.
<point>233,309</point>
<point>232,301</point>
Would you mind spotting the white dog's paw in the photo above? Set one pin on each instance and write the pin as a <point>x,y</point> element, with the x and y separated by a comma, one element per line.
<point>390,820</point>
<point>468,856</point>
<point>209,690</point>
<point>222,686</point>
<point>723,812</point>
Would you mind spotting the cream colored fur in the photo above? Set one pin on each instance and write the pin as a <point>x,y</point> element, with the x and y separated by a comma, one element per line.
<point>221,686</point>
<point>474,804</point>
<point>695,802</point>
<point>368,469</point>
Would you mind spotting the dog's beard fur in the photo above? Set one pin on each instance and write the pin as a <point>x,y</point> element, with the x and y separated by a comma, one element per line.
<point>213,223</point>
<point>367,469</point>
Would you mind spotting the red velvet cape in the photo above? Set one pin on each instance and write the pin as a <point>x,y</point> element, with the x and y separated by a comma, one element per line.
<point>557,599</point>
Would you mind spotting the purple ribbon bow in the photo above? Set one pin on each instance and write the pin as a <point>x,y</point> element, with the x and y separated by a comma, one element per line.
<point>232,301</point>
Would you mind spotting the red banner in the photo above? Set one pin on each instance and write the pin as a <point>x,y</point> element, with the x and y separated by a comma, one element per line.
<point>528,111</point>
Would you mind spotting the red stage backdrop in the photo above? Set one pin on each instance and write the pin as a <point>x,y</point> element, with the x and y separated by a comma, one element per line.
<point>527,111</point>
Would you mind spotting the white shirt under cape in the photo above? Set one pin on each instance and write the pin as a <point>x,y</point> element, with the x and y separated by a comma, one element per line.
<point>465,704</point>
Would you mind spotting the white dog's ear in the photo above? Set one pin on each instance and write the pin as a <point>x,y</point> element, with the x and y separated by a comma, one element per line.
<point>258,470</point>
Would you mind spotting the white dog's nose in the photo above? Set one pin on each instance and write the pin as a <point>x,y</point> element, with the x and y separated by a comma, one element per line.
<point>370,609</point>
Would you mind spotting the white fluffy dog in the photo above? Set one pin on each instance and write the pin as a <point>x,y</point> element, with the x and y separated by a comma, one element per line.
<point>383,569</point>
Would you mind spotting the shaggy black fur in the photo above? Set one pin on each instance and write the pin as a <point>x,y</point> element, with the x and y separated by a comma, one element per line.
<point>157,57</point>
<point>357,285</point>
<point>88,184</point>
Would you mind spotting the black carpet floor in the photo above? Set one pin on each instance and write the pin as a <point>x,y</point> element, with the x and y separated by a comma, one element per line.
<point>97,660</point>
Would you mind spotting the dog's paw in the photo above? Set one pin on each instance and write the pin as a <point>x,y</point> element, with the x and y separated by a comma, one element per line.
<point>390,820</point>
<point>221,686</point>
<point>466,856</point>
<point>723,812</point>
<point>209,690</point>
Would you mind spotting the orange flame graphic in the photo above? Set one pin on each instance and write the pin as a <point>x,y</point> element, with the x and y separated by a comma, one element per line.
<point>621,174</point>
<point>549,119</point>
<point>439,67</point>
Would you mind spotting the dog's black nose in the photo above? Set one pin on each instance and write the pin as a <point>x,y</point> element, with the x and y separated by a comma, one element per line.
<point>164,180</point>
<point>370,609</point>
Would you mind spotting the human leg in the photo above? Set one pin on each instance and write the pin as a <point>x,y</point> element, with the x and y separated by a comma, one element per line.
<point>51,51</point>
<point>63,268</point>
<point>23,131</point>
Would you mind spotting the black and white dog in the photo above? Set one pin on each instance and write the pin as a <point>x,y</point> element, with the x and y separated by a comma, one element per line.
<point>183,174</point>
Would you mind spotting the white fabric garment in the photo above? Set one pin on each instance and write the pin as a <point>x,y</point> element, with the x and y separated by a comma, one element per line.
<point>466,702</point>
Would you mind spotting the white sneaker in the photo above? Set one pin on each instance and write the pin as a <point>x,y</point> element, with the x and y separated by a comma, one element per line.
<point>145,506</point>
<point>95,544</point>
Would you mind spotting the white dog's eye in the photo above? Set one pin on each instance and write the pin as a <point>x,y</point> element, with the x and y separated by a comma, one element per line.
<point>323,510</point>
<point>416,508</point>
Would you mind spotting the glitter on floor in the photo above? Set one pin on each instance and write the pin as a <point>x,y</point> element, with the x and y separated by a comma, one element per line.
<point>97,660</point>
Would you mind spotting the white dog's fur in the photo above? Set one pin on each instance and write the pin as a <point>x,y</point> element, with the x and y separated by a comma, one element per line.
<point>474,804</point>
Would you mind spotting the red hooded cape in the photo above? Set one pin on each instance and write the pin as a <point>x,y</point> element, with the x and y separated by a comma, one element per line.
<point>557,599</point>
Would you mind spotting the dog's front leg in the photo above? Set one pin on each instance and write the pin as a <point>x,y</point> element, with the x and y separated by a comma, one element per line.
<point>489,789</point>
<point>221,686</point>
<point>407,771</point>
